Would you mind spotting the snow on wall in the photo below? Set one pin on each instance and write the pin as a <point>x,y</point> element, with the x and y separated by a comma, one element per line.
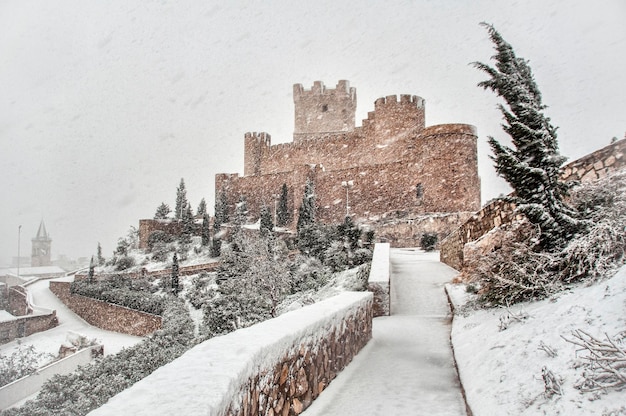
<point>281,364</point>
<point>378,282</point>
<point>29,385</point>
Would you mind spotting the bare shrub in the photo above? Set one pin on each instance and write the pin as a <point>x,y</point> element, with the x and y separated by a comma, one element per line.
<point>605,361</point>
<point>552,383</point>
<point>514,272</point>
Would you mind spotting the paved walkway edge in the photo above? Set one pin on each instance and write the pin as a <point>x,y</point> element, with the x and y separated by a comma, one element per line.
<point>468,409</point>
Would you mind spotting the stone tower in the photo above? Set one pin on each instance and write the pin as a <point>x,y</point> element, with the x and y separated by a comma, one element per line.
<point>40,255</point>
<point>321,111</point>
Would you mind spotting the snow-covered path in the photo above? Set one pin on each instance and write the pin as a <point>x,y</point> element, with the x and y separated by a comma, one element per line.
<point>407,368</point>
<point>50,341</point>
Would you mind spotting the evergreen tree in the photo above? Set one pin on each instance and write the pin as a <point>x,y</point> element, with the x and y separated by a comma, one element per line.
<point>267,224</point>
<point>91,271</point>
<point>306,216</point>
<point>533,165</point>
<point>181,200</point>
<point>224,205</point>
<point>283,210</point>
<point>162,212</point>
<point>220,215</point>
<point>175,281</point>
<point>201,208</point>
<point>188,225</point>
<point>205,231</point>
<point>100,256</point>
<point>241,217</point>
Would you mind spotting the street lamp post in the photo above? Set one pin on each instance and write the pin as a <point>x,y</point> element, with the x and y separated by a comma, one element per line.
<point>347,185</point>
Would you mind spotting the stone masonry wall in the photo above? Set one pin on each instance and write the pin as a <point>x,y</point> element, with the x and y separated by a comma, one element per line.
<point>24,326</point>
<point>105,315</point>
<point>590,167</point>
<point>277,367</point>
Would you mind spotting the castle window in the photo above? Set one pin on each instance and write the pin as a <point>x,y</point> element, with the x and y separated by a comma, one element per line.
<point>324,108</point>
<point>419,191</point>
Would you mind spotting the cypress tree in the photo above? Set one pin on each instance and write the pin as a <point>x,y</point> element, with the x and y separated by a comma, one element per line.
<point>267,224</point>
<point>205,232</point>
<point>533,165</point>
<point>91,271</point>
<point>100,256</point>
<point>181,200</point>
<point>175,281</point>
<point>282,217</point>
<point>306,215</point>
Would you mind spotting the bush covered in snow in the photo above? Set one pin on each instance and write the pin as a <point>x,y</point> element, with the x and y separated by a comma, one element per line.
<point>92,385</point>
<point>22,362</point>
<point>132,293</point>
<point>517,270</point>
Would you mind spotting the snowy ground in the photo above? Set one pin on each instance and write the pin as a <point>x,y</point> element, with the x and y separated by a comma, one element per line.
<point>501,370</point>
<point>50,341</point>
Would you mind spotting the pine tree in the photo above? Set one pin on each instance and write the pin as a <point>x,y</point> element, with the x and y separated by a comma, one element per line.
<point>100,257</point>
<point>205,230</point>
<point>283,210</point>
<point>162,212</point>
<point>201,208</point>
<point>175,281</point>
<point>532,166</point>
<point>181,200</point>
<point>306,215</point>
<point>267,224</point>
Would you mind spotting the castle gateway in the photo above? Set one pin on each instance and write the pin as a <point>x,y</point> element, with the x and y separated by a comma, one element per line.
<point>392,174</point>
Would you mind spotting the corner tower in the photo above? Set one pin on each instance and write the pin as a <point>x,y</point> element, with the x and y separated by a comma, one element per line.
<point>41,244</point>
<point>321,111</point>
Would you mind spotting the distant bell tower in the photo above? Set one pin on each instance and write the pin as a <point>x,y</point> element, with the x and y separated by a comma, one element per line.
<point>40,255</point>
<point>321,111</point>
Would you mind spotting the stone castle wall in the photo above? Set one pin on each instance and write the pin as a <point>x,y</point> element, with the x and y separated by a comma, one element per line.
<point>394,162</point>
<point>106,315</point>
<point>590,167</point>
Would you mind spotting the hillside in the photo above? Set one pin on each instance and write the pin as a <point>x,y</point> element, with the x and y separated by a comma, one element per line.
<point>502,352</point>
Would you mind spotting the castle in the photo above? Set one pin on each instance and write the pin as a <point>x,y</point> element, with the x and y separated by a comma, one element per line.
<point>393,173</point>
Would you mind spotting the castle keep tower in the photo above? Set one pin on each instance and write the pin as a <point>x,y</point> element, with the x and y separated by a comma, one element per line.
<point>40,254</point>
<point>322,111</point>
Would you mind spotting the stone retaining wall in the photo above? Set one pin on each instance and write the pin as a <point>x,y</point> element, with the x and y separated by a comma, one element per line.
<point>106,315</point>
<point>591,167</point>
<point>379,279</point>
<point>277,367</point>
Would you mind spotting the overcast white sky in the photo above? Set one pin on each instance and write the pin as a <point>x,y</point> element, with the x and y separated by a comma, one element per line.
<point>104,106</point>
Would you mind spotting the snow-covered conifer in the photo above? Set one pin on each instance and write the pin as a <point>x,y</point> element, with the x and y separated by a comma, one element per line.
<point>533,165</point>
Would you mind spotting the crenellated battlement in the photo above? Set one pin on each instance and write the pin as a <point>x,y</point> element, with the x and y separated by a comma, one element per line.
<point>261,138</point>
<point>256,147</point>
<point>342,89</point>
<point>412,101</point>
